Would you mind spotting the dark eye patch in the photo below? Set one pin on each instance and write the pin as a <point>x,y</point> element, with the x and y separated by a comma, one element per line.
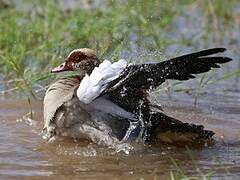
<point>77,57</point>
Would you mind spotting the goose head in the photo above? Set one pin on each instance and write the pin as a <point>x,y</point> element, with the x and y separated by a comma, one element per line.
<point>83,60</point>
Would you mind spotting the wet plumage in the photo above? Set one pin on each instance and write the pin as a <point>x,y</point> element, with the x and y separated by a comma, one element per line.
<point>132,116</point>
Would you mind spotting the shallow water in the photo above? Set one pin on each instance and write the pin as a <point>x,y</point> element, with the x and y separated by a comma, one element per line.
<point>23,153</point>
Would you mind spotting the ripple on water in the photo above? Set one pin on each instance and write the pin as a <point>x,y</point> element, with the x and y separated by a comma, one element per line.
<point>24,153</point>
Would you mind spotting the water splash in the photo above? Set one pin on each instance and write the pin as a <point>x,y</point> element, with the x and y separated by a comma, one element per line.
<point>27,119</point>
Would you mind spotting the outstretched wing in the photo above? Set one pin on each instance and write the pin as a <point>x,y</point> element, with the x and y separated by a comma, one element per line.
<point>148,76</point>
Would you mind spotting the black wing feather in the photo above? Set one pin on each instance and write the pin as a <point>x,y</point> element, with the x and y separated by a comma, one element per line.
<point>202,53</point>
<point>148,76</point>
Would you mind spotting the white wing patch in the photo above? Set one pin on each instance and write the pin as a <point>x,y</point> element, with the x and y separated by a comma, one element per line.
<point>92,86</point>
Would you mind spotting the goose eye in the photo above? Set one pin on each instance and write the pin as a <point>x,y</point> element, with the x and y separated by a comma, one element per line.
<point>77,65</point>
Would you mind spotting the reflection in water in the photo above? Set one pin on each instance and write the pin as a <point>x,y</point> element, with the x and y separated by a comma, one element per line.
<point>24,153</point>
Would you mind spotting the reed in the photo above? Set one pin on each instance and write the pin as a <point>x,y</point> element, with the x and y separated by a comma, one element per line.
<point>37,35</point>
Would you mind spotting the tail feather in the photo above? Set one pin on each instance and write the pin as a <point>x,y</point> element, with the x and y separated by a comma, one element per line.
<point>170,130</point>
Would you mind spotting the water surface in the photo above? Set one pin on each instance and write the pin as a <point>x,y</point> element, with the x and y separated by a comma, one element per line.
<point>23,153</point>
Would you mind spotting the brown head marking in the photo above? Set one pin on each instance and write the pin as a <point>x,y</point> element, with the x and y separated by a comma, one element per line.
<point>84,60</point>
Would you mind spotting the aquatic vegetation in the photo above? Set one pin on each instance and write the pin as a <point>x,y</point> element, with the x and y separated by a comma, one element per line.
<point>197,172</point>
<point>37,34</point>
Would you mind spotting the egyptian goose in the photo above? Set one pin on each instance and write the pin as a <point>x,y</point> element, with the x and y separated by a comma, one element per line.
<point>108,103</point>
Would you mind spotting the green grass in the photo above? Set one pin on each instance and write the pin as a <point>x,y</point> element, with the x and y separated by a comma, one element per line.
<point>196,172</point>
<point>37,38</point>
<point>179,173</point>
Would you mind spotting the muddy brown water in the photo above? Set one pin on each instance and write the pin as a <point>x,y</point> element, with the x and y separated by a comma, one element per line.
<point>25,155</point>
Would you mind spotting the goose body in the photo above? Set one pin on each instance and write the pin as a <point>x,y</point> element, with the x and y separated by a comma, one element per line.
<point>108,102</point>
